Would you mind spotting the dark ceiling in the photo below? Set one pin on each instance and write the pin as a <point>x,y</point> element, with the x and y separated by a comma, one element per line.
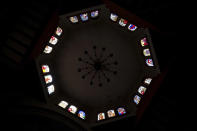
<point>163,112</point>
